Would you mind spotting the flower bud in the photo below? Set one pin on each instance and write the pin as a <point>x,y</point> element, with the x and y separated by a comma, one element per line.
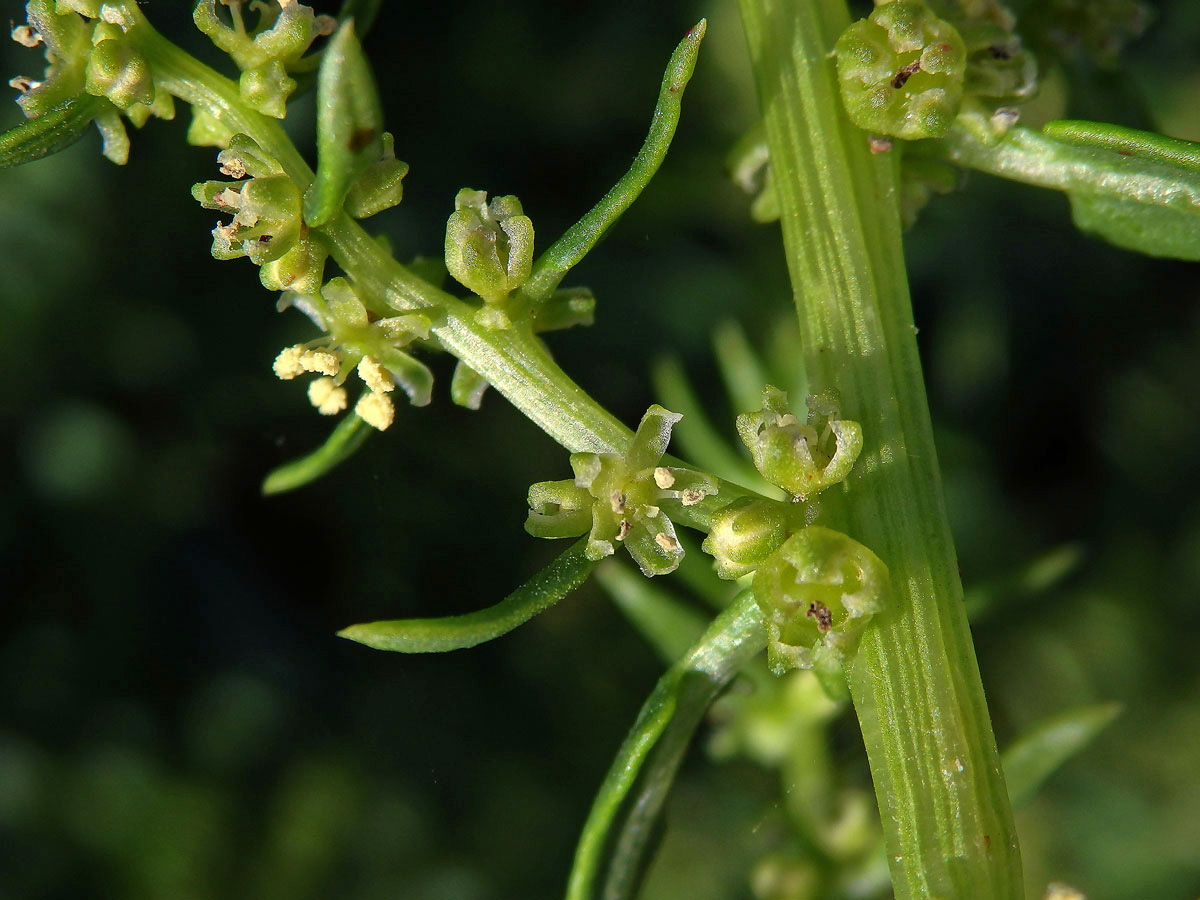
<point>489,247</point>
<point>901,71</point>
<point>266,88</point>
<point>744,534</point>
<point>116,69</point>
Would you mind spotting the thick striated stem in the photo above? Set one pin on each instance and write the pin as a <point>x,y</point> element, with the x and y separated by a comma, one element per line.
<point>915,681</point>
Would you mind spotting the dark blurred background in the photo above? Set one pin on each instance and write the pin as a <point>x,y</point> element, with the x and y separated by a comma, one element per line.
<point>178,720</point>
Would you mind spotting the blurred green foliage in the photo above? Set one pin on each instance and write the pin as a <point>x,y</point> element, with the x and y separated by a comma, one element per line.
<point>177,721</point>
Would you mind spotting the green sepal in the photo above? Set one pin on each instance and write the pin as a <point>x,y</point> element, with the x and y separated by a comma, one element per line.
<point>205,130</point>
<point>816,591</point>
<point>343,443</point>
<point>565,309</point>
<point>553,583</point>
<point>349,125</point>
<point>558,509</point>
<point>412,376</point>
<point>467,386</point>
<point>300,269</point>
<point>1048,745</point>
<point>116,69</point>
<point>52,131</point>
<point>113,135</point>
<point>266,222</point>
<point>89,8</point>
<point>245,158</point>
<point>651,438</point>
<point>901,71</point>
<point>380,186</point>
<point>266,88</point>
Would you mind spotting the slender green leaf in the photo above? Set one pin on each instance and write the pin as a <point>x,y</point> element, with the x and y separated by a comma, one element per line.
<point>363,12</point>
<point>1037,754</point>
<point>554,582</point>
<point>54,130</point>
<point>685,690</point>
<point>1134,189</point>
<point>741,369</point>
<point>552,266</point>
<point>345,440</point>
<point>349,125</point>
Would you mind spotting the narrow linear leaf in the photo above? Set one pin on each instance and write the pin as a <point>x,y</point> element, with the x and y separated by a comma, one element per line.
<point>1126,141</point>
<point>1134,189</point>
<point>345,440</point>
<point>349,125</point>
<point>554,582</point>
<point>668,624</point>
<point>1037,754</point>
<point>741,369</point>
<point>363,12</point>
<point>552,266</point>
<point>685,690</point>
<point>54,130</point>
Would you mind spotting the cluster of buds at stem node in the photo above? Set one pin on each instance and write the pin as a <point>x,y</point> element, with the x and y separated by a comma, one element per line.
<point>489,249</point>
<point>816,592</point>
<point>91,49</point>
<point>267,225</point>
<point>266,52</point>
<point>901,71</point>
<point>357,343</point>
<point>625,499</point>
<point>802,458</point>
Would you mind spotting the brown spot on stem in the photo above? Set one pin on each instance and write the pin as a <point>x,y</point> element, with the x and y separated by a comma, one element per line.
<point>998,51</point>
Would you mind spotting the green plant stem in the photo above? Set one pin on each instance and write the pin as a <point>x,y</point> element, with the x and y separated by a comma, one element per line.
<point>915,681</point>
<point>513,361</point>
<point>666,722</point>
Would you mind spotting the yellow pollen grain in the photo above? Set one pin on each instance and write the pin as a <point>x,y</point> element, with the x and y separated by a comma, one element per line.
<point>327,397</point>
<point>376,410</point>
<point>375,376</point>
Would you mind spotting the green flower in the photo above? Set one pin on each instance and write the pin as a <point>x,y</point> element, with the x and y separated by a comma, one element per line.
<point>901,71</point>
<point>816,592</point>
<point>620,499</point>
<point>803,459</point>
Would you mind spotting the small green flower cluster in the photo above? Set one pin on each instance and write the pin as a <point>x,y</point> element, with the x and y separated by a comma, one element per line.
<point>90,52</point>
<point>802,458</point>
<point>269,51</point>
<point>906,70</point>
